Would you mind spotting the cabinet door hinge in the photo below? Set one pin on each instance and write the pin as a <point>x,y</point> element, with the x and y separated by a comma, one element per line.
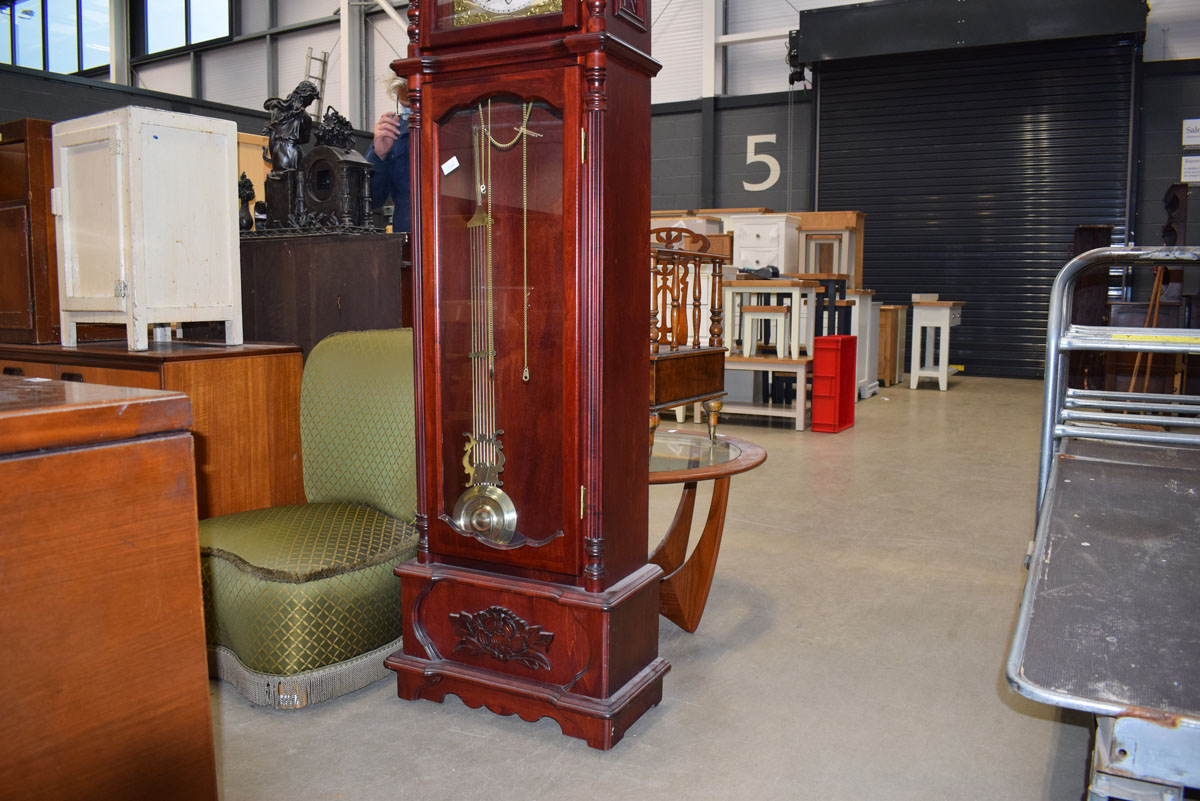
<point>120,288</point>
<point>582,146</point>
<point>56,201</point>
<point>582,501</point>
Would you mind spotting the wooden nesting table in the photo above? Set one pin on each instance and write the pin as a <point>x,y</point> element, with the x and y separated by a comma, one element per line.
<point>684,457</point>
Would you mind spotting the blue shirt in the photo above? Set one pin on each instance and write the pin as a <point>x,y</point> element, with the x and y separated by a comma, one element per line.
<point>390,177</point>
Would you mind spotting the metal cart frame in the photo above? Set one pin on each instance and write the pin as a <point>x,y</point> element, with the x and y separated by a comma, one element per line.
<point>1081,616</point>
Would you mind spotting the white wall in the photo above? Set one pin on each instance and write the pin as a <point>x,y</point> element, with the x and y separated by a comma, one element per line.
<point>292,11</point>
<point>236,75</point>
<point>173,76</point>
<point>676,42</point>
<point>293,51</point>
<point>1173,30</point>
<point>749,68</point>
<point>388,42</point>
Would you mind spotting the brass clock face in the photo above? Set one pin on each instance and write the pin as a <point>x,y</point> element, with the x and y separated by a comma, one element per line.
<point>453,14</point>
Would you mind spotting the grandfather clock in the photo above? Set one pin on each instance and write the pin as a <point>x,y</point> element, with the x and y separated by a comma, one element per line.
<point>530,144</point>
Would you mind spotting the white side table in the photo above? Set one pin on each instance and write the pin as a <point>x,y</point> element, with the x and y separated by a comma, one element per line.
<point>796,290</point>
<point>932,317</point>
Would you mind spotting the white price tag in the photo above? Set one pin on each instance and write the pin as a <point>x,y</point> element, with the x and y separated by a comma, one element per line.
<point>1189,172</point>
<point>450,165</point>
<point>1191,133</point>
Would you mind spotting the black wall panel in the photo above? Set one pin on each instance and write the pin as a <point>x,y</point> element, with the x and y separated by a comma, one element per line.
<point>973,169</point>
<point>735,125</point>
<point>701,158</point>
<point>1170,95</point>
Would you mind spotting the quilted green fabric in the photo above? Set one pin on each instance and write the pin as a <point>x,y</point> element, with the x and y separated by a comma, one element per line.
<point>296,588</point>
<point>357,430</point>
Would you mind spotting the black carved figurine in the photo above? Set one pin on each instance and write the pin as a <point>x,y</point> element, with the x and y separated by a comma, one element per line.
<point>245,195</point>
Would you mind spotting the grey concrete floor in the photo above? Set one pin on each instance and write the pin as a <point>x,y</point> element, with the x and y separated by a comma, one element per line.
<point>853,645</point>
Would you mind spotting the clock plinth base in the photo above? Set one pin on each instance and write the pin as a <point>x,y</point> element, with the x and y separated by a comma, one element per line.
<point>601,723</point>
<point>532,648</point>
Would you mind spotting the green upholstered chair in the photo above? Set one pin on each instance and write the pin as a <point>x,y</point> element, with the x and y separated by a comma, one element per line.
<point>300,602</point>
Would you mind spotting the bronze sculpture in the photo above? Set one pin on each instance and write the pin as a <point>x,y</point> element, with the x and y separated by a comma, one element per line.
<point>327,188</point>
<point>290,126</point>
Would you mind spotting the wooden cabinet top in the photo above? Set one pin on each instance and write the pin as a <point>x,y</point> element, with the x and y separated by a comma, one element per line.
<point>116,352</point>
<point>24,129</point>
<point>272,244</point>
<point>37,414</point>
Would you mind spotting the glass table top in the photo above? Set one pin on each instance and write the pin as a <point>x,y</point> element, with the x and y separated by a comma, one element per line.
<point>677,450</point>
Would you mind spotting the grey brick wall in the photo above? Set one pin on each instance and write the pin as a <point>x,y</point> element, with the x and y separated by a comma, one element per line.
<point>675,161</point>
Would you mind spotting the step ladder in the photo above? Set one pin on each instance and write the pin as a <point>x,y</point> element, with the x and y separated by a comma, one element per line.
<point>314,71</point>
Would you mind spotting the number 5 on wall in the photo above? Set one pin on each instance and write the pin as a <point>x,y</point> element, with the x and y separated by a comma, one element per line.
<point>761,158</point>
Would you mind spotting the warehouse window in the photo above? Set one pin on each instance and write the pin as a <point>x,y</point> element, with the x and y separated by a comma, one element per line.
<point>93,33</point>
<point>62,36</point>
<point>170,24</point>
<point>55,35</point>
<point>27,34</point>
<point>6,35</point>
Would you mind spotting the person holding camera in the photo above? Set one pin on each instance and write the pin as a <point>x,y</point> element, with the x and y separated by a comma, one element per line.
<point>388,154</point>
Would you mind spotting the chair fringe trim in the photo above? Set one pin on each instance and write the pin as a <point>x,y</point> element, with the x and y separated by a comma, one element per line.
<point>299,690</point>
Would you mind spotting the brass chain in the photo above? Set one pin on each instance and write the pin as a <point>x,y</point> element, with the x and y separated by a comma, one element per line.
<point>523,136</point>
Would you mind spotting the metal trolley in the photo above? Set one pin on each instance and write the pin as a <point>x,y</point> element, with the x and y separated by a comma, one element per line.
<point>1110,619</point>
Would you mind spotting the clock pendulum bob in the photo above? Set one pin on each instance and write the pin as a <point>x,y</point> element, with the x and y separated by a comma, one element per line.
<point>531,593</point>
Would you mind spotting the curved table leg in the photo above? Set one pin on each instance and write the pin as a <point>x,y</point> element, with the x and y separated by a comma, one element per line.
<point>684,591</point>
<point>670,552</point>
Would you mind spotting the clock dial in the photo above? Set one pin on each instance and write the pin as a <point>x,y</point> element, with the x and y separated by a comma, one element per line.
<point>453,14</point>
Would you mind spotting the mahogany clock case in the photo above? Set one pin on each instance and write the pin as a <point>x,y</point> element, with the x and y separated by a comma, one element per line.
<point>531,153</point>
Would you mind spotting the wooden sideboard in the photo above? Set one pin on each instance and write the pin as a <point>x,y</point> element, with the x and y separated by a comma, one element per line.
<point>28,267</point>
<point>304,288</point>
<point>105,690</point>
<point>245,400</point>
<point>28,252</point>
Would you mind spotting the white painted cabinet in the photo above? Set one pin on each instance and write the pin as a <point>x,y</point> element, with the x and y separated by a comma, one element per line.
<point>760,240</point>
<point>146,202</point>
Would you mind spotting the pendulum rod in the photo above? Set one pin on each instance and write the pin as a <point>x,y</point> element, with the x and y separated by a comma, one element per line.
<point>477,238</point>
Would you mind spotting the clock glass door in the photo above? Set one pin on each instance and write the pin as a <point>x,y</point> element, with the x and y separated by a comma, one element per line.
<point>502,329</point>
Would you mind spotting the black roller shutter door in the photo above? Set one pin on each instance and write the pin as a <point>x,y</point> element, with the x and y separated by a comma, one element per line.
<point>974,168</point>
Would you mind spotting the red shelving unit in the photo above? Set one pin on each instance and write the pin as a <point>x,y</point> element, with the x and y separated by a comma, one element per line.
<point>834,378</point>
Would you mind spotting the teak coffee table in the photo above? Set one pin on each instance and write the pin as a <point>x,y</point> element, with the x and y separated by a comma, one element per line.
<point>684,457</point>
